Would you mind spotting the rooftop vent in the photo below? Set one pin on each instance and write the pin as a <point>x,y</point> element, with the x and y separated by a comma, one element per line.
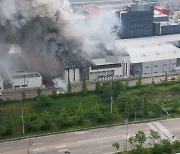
<point>157,53</point>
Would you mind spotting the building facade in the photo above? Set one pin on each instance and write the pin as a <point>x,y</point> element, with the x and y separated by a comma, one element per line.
<point>109,67</point>
<point>1,85</point>
<point>154,60</point>
<point>136,21</point>
<point>20,80</point>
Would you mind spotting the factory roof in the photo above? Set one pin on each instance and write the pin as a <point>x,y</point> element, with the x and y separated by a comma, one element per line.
<point>156,52</point>
<point>153,40</point>
<point>23,74</point>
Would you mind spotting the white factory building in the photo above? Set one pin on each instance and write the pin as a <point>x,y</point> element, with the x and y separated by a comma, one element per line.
<point>109,67</point>
<point>1,85</point>
<point>25,79</point>
<point>154,60</point>
<point>72,75</point>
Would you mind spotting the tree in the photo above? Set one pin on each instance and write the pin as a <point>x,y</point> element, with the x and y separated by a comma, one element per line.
<point>116,146</point>
<point>98,87</point>
<point>122,99</point>
<point>146,108</point>
<point>95,113</point>
<point>139,82</point>
<point>154,135</point>
<point>45,116</point>
<point>54,93</point>
<point>84,87</point>
<point>132,141</point>
<point>106,91</point>
<point>126,84</point>
<point>63,117</point>
<point>38,92</point>
<point>140,138</point>
<point>43,101</point>
<point>80,113</point>
<point>69,87</point>
<point>117,87</point>
<point>23,96</point>
<point>128,109</point>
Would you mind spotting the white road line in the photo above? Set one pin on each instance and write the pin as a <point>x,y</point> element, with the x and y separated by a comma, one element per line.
<point>39,150</point>
<point>105,146</point>
<point>104,141</point>
<point>61,146</point>
<point>6,148</point>
<point>38,143</point>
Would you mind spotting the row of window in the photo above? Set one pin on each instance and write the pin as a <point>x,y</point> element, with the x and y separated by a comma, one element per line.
<point>106,66</point>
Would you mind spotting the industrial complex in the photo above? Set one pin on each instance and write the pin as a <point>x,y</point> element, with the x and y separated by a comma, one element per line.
<point>149,45</point>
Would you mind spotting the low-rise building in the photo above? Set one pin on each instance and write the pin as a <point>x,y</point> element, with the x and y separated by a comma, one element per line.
<point>154,60</point>
<point>25,79</point>
<point>109,67</point>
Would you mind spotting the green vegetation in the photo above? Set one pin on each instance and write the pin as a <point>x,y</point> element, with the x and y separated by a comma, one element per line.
<point>60,112</point>
<point>137,141</point>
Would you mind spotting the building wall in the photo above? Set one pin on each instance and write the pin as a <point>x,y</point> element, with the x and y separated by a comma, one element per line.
<point>1,85</point>
<point>35,82</point>
<point>137,22</point>
<point>154,68</point>
<point>105,72</point>
<point>72,74</point>
<point>169,29</point>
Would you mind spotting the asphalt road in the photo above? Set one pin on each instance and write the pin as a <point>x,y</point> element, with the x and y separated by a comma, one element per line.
<point>97,141</point>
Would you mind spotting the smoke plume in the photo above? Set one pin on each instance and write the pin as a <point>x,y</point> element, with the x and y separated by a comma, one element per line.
<point>45,36</point>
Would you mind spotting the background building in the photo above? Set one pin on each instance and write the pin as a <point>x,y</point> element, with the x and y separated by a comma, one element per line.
<point>136,21</point>
<point>154,60</point>
<point>1,85</point>
<point>109,67</point>
<point>25,80</point>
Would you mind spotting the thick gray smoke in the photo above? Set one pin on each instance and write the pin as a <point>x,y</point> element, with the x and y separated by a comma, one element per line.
<point>46,36</point>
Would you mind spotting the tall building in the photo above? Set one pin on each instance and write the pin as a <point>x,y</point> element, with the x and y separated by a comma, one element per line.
<point>136,21</point>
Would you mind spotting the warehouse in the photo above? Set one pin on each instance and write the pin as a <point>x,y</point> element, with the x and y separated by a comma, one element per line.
<point>154,60</point>
<point>23,79</point>
<point>1,85</point>
<point>109,67</point>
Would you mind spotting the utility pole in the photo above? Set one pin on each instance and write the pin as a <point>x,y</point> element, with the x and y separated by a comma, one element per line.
<point>29,142</point>
<point>22,120</point>
<point>111,103</point>
<point>126,133</point>
<point>135,116</point>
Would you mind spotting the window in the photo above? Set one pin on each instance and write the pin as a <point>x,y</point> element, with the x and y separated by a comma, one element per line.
<point>173,63</point>
<point>155,65</point>
<point>147,67</point>
<point>155,72</point>
<point>137,68</point>
<point>165,64</point>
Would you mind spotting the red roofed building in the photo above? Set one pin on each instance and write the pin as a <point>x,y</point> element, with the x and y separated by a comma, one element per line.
<point>162,10</point>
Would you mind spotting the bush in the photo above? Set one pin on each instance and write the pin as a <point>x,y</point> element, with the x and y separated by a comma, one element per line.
<point>43,101</point>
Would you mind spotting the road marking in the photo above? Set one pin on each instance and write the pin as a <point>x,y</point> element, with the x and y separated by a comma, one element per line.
<point>105,146</point>
<point>63,150</point>
<point>94,152</point>
<point>61,146</point>
<point>104,142</point>
<point>108,137</point>
<point>39,150</point>
<point>6,148</point>
<point>38,143</point>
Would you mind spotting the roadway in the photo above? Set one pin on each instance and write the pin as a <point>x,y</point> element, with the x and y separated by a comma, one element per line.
<point>97,141</point>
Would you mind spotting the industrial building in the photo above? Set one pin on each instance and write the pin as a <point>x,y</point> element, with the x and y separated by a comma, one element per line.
<point>23,79</point>
<point>154,60</point>
<point>109,67</point>
<point>142,20</point>
<point>136,21</point>
<point>1,85</point>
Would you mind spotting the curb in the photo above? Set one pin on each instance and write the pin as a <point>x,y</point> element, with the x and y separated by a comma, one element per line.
<point>74,130</point>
